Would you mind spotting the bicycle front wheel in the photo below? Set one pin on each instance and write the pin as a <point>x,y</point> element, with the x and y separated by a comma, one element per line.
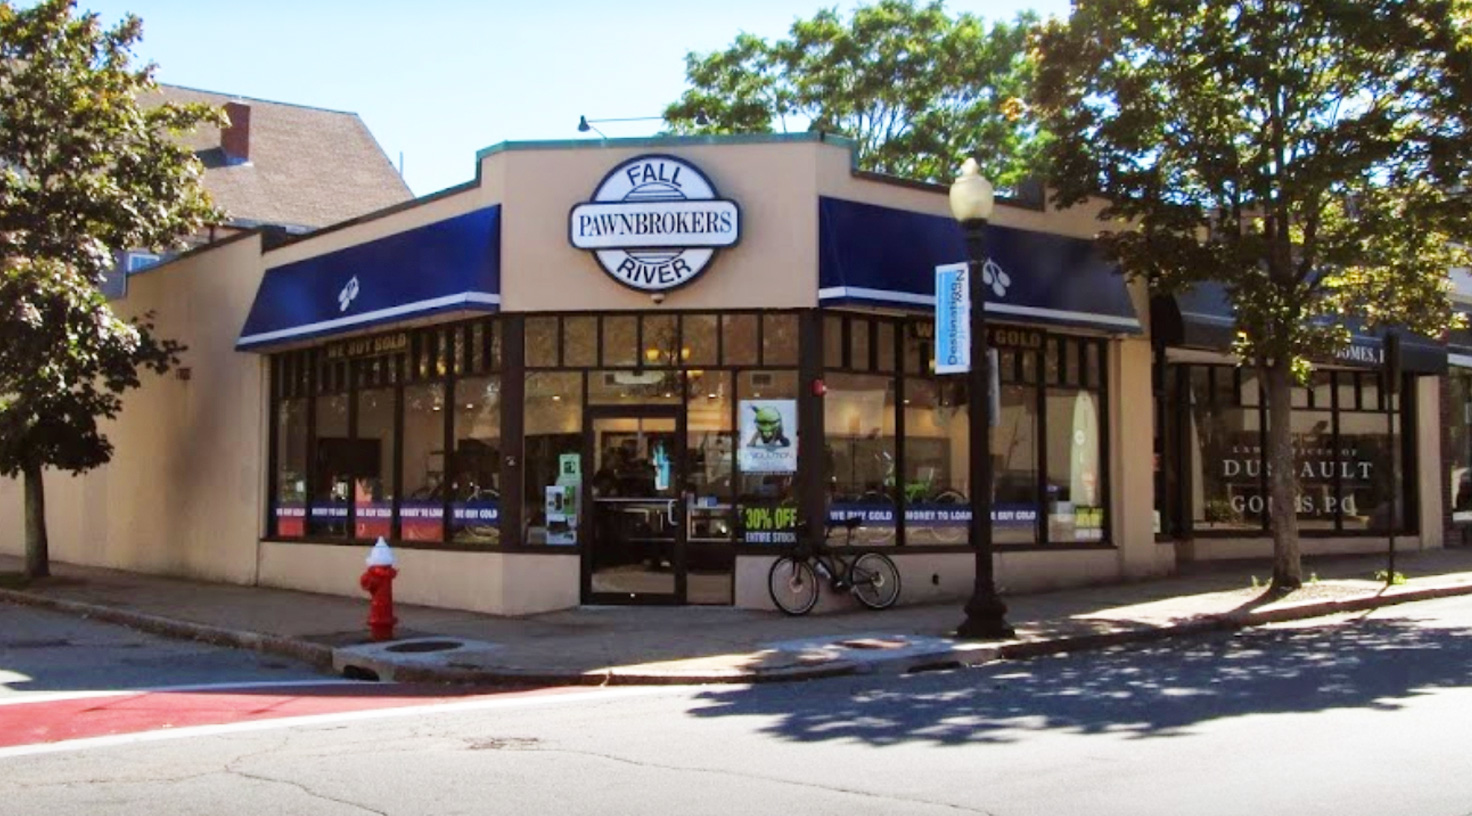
<point>793,585</point>
<point>875,581</point>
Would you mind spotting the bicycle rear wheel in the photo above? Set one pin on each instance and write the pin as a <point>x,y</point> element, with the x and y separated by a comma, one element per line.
<point>793,585</point>
<point>875,581</point>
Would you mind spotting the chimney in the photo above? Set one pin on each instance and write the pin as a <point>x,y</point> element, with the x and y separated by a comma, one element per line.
<point>235,137</point>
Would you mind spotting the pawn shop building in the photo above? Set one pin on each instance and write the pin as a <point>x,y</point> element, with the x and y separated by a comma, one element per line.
<point>633,371</point>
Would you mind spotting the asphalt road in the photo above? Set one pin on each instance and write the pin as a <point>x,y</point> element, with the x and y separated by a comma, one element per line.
<point>1368,715</point>
<point>50,653</point>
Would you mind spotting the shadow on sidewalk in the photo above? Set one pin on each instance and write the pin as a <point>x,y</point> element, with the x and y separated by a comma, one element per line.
<point>1151,691</point>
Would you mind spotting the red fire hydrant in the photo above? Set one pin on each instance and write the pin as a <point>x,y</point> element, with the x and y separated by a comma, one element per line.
<point>378,581</point>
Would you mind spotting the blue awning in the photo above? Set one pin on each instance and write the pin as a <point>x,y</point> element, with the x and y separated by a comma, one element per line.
<point>880,256</point>
<point>450,265</point>
<point>1202,317</point>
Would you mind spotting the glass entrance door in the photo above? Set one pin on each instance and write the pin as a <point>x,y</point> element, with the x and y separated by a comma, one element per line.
<point>636,524</point>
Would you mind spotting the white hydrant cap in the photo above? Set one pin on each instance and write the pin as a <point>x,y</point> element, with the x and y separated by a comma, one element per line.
<point>381,555</point>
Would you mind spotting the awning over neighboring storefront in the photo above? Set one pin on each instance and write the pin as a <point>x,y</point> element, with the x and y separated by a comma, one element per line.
<point>450,265</point>
<point>879,256</point>
<point>1202,318</point>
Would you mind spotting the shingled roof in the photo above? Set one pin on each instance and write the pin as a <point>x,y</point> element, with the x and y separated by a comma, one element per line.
<point>290,165</point>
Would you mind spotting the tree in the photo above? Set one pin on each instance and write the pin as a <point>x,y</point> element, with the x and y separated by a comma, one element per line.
<point>86,171</point>
<point>1310,156</point>
<point>915,88</point>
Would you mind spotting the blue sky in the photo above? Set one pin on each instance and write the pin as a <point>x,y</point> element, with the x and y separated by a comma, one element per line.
<point>439,79</point>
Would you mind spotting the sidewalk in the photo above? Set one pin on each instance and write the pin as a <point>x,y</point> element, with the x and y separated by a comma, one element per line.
<point>627,645</point>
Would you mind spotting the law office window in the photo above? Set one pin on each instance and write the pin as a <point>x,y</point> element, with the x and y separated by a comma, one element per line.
<point>1459,443</point>
<point>1347,443</point>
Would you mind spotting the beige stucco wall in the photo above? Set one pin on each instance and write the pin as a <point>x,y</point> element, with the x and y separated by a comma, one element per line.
<point>775,265</point>
<point>183,494</point>
<point>492,582</point>
<point>1132,428</point>
<point>1430,468</point>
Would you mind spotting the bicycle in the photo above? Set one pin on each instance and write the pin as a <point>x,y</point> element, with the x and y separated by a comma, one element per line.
<point>871,577</point>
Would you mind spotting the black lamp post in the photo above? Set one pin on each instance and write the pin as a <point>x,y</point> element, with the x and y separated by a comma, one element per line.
<point>986,614</point>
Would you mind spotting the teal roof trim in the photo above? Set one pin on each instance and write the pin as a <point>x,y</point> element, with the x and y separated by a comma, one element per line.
<point>672,141</point>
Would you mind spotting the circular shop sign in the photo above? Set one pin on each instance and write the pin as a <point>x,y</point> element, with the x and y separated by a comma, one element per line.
<point>654,223</point>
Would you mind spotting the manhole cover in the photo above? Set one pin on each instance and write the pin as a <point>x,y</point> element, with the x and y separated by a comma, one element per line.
<point>425,646</point>
<point>874,643</point>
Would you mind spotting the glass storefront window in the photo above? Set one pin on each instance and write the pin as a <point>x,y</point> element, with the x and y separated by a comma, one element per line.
<point>701,337</point>
<point>662,342</point>
<point>641,387</point>
<point>1225,443</point>
<point>738,339</point>
<point>422,510</point>
<point>541,342</point>
<point>291,468</point>
<point>1075,501</point>
<point>1344,458</point>
<point>1364,461</point>
<point>328,515</point>
<point>553,428</point>
<point>1459,442</point>
<point>1044,490</point>
<point>373,462</point>
<point>620,340</point>
<point>579,341</point>
<point>859,455</point>
<point>475,462</point>
<point>779,339</point>
<point>710,448</point>
<point>937,440</point>
<point>1015,467</point>
<point>766,496</point>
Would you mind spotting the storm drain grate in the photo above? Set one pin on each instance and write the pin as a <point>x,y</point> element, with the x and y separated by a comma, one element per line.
<point>874,643</point>
<point>419,646</point>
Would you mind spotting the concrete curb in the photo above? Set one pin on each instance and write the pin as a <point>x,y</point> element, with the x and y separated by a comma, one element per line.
<point>324,658</point>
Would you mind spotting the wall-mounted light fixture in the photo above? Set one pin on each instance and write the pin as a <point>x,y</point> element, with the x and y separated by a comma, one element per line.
<point>585,124</point>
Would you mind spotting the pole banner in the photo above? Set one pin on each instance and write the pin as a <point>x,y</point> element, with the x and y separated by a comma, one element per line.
<point>952,319</point>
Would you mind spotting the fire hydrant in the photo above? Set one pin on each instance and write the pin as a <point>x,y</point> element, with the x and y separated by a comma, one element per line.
<point>378,581</point>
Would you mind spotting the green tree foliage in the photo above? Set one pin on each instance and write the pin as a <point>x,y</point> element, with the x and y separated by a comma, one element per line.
<point>914,87</point>
<point>1310,156</point>
<point>85,173</point>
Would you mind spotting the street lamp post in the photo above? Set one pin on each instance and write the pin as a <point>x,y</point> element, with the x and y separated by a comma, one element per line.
<point>986,614</point>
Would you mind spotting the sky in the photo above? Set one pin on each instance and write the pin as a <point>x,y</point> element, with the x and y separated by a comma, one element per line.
<point>437,80</point>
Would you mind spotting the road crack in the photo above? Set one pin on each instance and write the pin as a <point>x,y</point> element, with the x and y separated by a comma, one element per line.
<point>231,768</point>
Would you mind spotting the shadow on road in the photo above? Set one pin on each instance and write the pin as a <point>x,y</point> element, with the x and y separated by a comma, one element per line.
<point>1160,690</point>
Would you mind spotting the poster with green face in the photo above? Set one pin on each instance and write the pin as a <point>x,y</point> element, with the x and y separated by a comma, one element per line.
<point>768,431</point>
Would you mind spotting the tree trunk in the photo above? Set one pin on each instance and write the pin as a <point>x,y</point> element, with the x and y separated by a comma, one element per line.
<point>38,550</point>
<point>1283,480</point>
